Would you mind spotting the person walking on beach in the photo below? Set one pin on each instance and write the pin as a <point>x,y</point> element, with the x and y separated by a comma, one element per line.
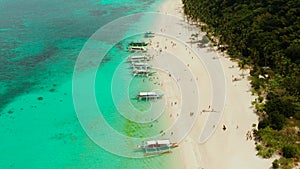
<point>224,127</point>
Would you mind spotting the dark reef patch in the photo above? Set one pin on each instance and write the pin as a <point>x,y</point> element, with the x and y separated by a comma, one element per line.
<point>14,91</point>
<point>52,90</point>
<point>22,76</point>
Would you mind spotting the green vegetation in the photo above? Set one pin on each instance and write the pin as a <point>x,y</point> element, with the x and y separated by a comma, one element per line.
<point>265,37</point>
<point>275,164</point>
<point>265,152</point>
<point>290,151</point>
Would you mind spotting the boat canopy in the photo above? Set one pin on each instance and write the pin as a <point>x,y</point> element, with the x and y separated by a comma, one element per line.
<point>138,44</point>
<point>167,142</point>
<point>141,71</point>
<point>148,94</point>
<point>151,142</point>
<point>139,64</point>
<point>159,142</point>
<point>138,57</point>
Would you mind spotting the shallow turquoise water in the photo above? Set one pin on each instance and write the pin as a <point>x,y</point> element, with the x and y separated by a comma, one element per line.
<point>39,43</point>
<point>116,91</point>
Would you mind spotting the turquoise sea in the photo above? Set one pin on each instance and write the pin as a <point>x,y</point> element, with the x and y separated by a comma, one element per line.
<point>39,43</point>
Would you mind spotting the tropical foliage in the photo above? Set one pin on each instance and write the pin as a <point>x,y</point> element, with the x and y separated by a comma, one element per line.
<point>265,35</point>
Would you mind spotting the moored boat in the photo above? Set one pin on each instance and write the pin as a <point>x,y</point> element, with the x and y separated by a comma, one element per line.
<point>149,35</point>
<point>138,58</point>
<point>138,44</point>
<point>142,72</point>
<point>140,65</point>
<point>149,95</point>
<point>137,49</point>
<point>152,147</point>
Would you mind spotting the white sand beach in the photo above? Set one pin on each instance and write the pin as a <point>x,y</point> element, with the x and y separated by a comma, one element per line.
<point>222,102</point>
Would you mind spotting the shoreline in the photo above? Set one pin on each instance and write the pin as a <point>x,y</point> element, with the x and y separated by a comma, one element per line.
<point>235,150</point>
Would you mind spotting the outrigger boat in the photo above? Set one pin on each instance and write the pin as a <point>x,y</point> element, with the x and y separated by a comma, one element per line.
<point>137,58</point>
<point>149,95</point>
<point>140,65</point>
<point>149,35</point>
<point>135,44</point>
<point>137,48</point>
<point>153,147</point>
<point>142,72</point>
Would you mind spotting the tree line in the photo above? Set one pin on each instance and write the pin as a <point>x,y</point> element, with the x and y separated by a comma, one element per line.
<point>265,36</point>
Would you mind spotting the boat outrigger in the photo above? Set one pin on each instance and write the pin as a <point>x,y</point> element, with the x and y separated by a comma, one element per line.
<point>149,95</point>
<point>153,147</point>
<point>137,58</point>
